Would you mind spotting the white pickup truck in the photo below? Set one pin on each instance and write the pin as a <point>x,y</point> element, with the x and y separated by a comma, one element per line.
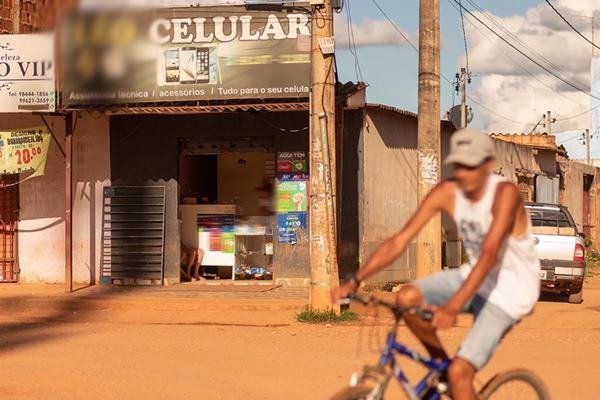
<point>561,249</point>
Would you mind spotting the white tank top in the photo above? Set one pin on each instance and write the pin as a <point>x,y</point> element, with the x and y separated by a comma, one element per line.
<point>513,284</point>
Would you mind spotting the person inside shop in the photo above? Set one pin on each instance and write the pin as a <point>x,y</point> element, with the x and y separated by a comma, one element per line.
<point>191,257</point>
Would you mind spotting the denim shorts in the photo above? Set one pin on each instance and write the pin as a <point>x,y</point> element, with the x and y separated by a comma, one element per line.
<point>490,322</point>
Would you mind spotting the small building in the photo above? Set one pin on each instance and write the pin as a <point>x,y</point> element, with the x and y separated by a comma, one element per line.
<point>379,183</point>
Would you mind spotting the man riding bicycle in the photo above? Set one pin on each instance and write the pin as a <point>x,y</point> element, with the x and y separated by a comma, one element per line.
<point>500,283</point>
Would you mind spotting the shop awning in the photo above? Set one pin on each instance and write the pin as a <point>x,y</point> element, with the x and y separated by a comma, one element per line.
<point>197,109</point>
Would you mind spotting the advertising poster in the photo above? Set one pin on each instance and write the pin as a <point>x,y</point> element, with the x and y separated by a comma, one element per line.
<point>184,54</point>
<point>27,81</point>
<point>24,150</point>
<point>291,162</point>
<point>288,225</point>
<point>292,196</point>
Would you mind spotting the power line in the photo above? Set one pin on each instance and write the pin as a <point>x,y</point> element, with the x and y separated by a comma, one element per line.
<point>525,69</point>
<point>525,55</point>
<point>395,26</point>
<point>495,113</point>
<point>536,125</point>
<point>523,44</point>
<point>442,75</point>
<point>493,20</point>
<point>352,43</point>
<point>515,62</point>
<point>482,106</point>
<point>580,114</point>
<point>571,26</point>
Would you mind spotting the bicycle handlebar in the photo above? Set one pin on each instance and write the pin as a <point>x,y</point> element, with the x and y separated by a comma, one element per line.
<point>397,310</point>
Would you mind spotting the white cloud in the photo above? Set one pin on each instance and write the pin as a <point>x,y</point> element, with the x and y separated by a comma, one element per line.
<point>371,32</point>
<point>509,90</point>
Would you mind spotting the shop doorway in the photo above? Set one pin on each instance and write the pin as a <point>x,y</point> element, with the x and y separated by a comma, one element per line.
<point>226,208</point>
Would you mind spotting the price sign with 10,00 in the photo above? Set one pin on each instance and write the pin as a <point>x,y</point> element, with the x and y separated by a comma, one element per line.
<point>24,150</point>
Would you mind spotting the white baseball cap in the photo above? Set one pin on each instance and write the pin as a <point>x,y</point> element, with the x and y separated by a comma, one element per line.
<point>470,147</point>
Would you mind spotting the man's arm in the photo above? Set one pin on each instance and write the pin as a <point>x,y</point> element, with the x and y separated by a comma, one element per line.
<point>393,247</point>
<point>505,209</point>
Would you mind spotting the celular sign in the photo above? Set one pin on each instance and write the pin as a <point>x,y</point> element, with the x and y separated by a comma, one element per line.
<point>27,80</point>
<point>184,54</point>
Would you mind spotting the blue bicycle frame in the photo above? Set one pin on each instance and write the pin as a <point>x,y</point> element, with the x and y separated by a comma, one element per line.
<point>435,367</point>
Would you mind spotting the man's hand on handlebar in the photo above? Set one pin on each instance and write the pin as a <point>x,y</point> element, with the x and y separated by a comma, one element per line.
<point>443,317</point>
<point>342,292</point>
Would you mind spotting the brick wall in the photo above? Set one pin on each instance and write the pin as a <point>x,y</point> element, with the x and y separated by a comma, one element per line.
<point>6,25</point>
<point>35,15</point>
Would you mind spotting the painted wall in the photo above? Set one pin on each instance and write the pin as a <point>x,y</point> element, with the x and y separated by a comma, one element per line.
<point>40,238</point>
<point>571,191</point>
<point>91,170</point>
<point>41,235</point>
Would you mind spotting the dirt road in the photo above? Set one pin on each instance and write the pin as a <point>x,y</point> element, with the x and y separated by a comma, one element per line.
<point>120,353</point>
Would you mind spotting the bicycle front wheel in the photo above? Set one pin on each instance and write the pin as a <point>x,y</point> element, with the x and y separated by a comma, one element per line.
<point>359,392</point>
<point>515,384</point>
<point>371,385</point>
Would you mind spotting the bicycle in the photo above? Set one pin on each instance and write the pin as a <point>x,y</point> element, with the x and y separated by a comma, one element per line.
<point>372,382</point>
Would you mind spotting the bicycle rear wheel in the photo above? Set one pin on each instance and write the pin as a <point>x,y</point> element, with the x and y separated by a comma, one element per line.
<point>515,384</point>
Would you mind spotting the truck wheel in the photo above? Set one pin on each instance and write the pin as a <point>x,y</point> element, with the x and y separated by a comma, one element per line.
<point>576,298</point>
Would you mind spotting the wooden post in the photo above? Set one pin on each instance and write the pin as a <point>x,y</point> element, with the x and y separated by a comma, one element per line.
<point>68,202</point>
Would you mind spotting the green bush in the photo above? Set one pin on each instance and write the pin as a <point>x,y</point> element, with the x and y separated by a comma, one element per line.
<point>593,256</point>
<point>316,316</point>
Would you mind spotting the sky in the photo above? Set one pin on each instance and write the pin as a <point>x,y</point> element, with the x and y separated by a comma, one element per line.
<point>513,91</point>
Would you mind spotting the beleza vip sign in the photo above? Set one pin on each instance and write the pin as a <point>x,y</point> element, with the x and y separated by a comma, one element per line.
<point>27,81</point>
<point>185,54</point>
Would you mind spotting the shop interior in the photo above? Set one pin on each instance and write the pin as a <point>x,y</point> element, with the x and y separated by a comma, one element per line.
<point>226,197</point>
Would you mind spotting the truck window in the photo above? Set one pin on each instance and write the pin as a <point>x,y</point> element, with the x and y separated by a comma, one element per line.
<point>553,218</point>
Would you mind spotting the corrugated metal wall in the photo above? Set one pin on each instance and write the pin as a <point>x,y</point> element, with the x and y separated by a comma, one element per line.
<point>387,185</point>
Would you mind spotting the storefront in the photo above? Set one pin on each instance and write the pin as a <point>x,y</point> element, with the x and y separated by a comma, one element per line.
<point>237,189</point>
<point>208,139</point>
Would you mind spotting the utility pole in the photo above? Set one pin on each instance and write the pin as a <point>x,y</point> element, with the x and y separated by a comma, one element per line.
<point>323,252</point>
<point>548,121</point>
<point>587,147</point>
<point>462,82</point>
<point>429,244</point>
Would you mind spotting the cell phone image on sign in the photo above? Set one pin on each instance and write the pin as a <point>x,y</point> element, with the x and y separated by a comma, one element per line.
<point>187,65</point>
<point>171,65</point>
<point>202,64</point>
<point>214,70</point>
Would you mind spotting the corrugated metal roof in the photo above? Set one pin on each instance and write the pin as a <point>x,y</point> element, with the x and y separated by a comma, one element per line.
<point>541,141</point>
<point>392,109</point>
